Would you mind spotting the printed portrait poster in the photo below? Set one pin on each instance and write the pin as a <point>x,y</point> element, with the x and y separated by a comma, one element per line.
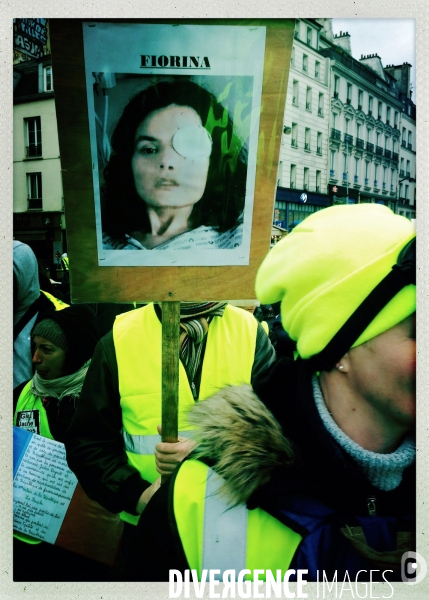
<point>174,117</point>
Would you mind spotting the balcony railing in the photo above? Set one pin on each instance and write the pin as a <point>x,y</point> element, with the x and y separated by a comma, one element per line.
<point>35,203</point>
<point>307,147</point>
<point>336,134</point>
<point>294,143</point>
<point>308,106</point>
<point>360,143</point>
<point>335,94</point>
<point>295,100</point>
<point>366,181</point>
<point>292,185</point>
<point>345,177</point>
<point>319,150</point>
<point>409,146</point>
<point>356,179</point>
<point>379,151</point>
<point>331,173</point>
<point>401,172</point>
<point>395,156</point>
<point>375,183</point>
<point>388,153</point>
<point>403,143</point>
<point>320,111</point>
<point>33,150</point>
<point>348,139</point>
<point>369,147</point>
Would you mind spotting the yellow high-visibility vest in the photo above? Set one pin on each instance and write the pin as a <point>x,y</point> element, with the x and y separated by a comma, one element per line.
<point>137,335</point>
<point>216,535</point>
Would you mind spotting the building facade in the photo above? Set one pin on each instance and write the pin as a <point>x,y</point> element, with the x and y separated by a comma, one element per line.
<point>38,204</point>
<point>349,132</point>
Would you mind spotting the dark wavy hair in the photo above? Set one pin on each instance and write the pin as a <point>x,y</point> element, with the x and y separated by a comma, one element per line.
<point>222,203</point>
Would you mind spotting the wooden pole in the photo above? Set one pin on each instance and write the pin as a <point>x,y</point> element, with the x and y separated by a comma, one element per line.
<point>170,370</point>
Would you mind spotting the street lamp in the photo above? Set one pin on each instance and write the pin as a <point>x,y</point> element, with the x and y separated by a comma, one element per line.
<point>410,179</point>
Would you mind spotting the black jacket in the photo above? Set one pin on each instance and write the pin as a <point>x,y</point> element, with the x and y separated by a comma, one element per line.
<point>94,443</point>
<point>322,472</point>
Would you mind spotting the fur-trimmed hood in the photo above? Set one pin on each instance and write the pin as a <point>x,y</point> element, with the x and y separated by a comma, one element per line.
<point>236,431</point>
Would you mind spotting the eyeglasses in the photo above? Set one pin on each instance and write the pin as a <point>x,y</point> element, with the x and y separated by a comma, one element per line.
<point>403,273</point>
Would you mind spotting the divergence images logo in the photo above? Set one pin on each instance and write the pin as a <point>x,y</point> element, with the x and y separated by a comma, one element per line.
<point>413,568</point>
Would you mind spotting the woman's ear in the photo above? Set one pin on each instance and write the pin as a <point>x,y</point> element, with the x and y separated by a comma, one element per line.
<point>343,365</point>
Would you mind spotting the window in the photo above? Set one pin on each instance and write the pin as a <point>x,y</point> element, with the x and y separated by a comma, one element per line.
<point>307,139</point>
<point>309,36</point>
<point>407,172</point>
<point>320,105</point>
<point>33,133</point>
<point>295,93</point>
<point>349,93</point>
<point>345,167</point>
<point>387,115</point>
<point>410,140</point>
<point>305,62</point>
<point>406,192</point>
<point>404,131</point>
<point>336,86</point>
<point>366,172</point>
<point>294,140</point>
<point>370,100</point>
<point>280,173</point>
<point>396,119</point>
<point>358,126</point>
<point>318,180</point>
<point>319,143</point>
<point>293,176</point>
<point>292,59</point>
<point>332,164</point>
<point>317,69</point>
<point>360,99</point>
<point>308,99</point>
<point>48,85</point>
<point>392,179</point>
<point>380,110</point>
<point>34,191</point>
<point>356,177</point>
<point>306,178</point>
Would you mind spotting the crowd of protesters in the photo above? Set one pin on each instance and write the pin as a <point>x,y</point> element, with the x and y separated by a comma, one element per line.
<point>296,445</point>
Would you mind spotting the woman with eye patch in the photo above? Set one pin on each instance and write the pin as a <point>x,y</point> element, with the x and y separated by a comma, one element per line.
<point>176,177</point>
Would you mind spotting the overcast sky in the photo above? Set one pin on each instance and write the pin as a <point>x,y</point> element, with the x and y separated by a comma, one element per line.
<point>394,40</point>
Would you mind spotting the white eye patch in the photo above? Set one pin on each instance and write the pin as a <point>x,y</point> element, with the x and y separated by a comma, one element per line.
<point>193,142</point>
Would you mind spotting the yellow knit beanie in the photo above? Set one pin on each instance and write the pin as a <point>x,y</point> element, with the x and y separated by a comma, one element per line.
<point>325,268</point>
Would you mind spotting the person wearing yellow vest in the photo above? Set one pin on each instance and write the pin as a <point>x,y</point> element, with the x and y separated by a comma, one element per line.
<point>65,266</point>
<point>62,344</point>
<point>314,469</point>
<point>112,442</point>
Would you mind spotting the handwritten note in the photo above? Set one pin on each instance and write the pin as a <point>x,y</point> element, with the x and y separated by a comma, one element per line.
<point>43,485</point>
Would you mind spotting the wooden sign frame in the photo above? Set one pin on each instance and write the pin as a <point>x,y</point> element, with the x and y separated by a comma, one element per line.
<point>93,283</point>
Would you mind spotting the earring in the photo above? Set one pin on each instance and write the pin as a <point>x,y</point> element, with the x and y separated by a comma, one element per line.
<point>340,367</point>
